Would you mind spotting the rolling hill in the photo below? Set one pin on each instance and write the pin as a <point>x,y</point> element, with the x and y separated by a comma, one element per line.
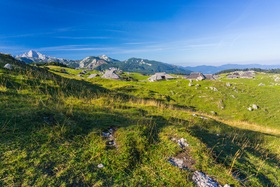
<point>59,129</point>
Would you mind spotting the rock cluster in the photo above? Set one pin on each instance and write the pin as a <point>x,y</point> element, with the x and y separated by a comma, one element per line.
<point>213,88</point>
<point>110,139</point>
<point>228,84</point>
<point>181,142</point>
<point>253,107</point>
<point>203,180</point>
<point>184,161</point>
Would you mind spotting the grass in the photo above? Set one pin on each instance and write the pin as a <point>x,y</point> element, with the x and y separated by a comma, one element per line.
<point>51,130</point>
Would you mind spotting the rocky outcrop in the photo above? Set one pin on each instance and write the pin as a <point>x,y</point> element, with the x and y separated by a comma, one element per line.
<point>203,180</point>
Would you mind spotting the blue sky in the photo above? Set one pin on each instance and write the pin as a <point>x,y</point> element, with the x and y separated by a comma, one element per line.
<point>182,32</point>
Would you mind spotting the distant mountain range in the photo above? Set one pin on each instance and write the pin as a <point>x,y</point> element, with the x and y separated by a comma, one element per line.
<point>34,56</point>
<point>143,66</point>
<point>103,62</point>
<point>215,69</point>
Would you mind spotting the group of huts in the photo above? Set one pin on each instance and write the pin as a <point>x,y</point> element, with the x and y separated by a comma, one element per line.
<point>112,74</point>
<point>108,74</point>
<point>198,76</point>
<point>193,76</point>
<point>241,74</point>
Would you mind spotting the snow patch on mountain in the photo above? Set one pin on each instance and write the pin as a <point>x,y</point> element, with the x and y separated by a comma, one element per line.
<point>34,56</point>
<point>144,63</point>
<point>104,57</point>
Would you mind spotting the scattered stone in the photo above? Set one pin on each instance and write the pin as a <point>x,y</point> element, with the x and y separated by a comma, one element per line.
<point>92,76</point>
<point>111,142</point>
<point>213,113</point>
<point>203,180</point>
<point>255,107</point>
<point>177,162</point>
<point>228,84</point>
<point>182,161</point>
<point>190,84</point>
<point>63,71</point>
<point>233,96</point>
<point>110,139</point>
<point>261,84</point>
<point>100,166</point>
<point>8,66</point>
<point>213,88</point>
<point>106,134</point>
<point>197,85</point>
<point>182,143</point>
<point>221,104</point>
<point>202,117</point>
<point>277,79</point>
<point>83,72</point>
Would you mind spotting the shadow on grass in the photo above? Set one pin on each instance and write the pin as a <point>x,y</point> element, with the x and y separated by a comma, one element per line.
<point>230,146</point>
<point>23,128</point>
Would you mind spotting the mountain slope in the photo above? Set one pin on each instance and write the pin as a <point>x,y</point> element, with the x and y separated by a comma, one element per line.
<point>34,56</point>
<point>144,66</point>
<point>93,62</point>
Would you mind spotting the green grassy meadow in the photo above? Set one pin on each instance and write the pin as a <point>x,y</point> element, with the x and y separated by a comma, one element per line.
<point>51,126</point>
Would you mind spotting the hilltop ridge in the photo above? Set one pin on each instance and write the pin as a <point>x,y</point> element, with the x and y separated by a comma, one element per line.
<point>103,62</point>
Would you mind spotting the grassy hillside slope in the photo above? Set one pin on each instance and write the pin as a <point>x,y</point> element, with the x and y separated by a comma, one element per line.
<point>52,126</point>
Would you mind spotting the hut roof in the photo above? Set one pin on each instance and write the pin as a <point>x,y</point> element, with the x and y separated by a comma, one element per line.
<point>209,76</point>
<point>196,75</point>
<point>110,74</point>
<point>8,66</point>
<point>160,76</point>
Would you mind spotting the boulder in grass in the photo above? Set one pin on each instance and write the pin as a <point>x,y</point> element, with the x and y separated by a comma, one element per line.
<point>203,180</point>
<point>255,107</point>
<point>92,76</point>
<point>228,84</point>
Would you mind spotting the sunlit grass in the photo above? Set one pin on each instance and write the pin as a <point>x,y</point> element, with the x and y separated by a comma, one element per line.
<point>51,131</point>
